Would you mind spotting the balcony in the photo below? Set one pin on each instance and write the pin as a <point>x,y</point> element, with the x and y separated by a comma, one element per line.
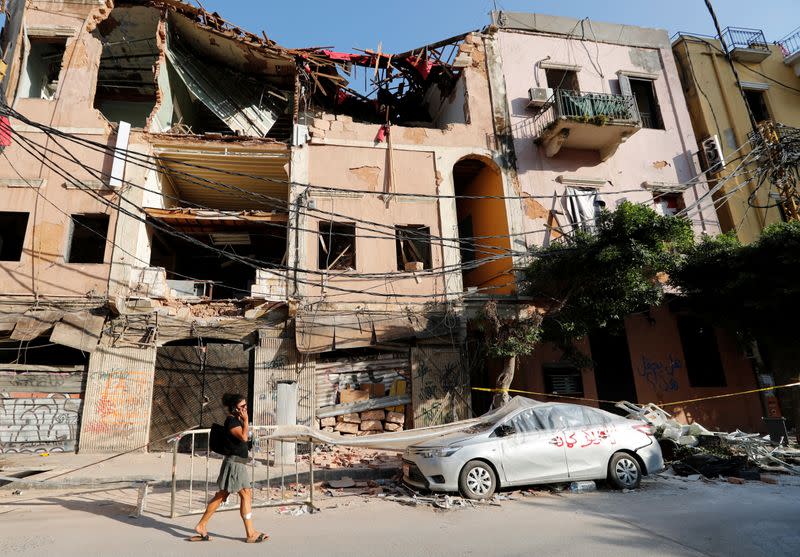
<point>790,47</point>
<point>746,45</point>
<point>589,121</point>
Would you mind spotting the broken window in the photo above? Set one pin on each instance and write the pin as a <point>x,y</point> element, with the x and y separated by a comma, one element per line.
<point>413,247</point>
<point>12,235</point>
<point>40,76</point>
<point>668,204</point>
<point>562,79</point>
<point>87,239</point>
<point>644,93</point>
<point>701,353</point>
<point>337,245</point>
<point>757,104</point>
<point>561,380</point>
<point>126,83</point>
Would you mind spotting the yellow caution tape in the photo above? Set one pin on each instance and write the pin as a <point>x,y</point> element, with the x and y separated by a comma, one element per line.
<point>516,391</point>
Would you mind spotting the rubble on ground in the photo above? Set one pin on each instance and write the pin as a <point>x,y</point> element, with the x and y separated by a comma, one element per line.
<point>335,456</point>
<point>693,449</point>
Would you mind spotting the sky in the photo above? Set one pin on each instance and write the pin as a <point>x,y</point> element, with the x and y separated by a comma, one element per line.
<point>402,25</point>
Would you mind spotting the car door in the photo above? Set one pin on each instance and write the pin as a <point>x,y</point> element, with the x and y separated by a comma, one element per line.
<point>530,452</point>
<point>587,431</point>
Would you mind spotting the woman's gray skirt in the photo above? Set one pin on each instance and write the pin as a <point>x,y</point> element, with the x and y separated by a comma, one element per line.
<point>233,475</point>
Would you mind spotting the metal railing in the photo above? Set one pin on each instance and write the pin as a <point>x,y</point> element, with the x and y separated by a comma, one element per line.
<point>790,44</point>
<point>594,108</point>
<point>268,466</point>
<point>739,37</point>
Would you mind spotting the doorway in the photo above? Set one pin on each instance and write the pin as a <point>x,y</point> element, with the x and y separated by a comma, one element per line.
<point>191,377</point>
<point>613,372</point>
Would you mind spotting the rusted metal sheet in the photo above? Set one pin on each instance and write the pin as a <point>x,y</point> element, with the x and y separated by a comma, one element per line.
<point>277,359</point>
<point>382,368</point>
<point>118,399</point>
<point>80,330</point>
<point>41,382</point>
<point>36,425</point>
<point>439,386</point>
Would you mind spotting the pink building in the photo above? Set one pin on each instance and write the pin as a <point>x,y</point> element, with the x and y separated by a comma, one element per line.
<point>597,116</point>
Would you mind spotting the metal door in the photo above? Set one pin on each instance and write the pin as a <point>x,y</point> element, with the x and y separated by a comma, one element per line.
<point>189,384</point>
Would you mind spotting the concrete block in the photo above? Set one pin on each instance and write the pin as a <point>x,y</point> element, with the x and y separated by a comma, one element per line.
<point>345,427</point>
<point>337,126</point>
<point>327,422</point>
<point>321,124</point>
<point>371,425</point>
<point>349,418</point>
<point>344,118</point>
<point>395,418</point>
<point>379,415</point>
<point>388,426</point>
<point>329,117</point>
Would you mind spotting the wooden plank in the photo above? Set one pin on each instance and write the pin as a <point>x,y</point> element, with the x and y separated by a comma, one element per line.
<point>373,404</point>
<point>44,382</point>
<point>79,330</point>
<point>43,369</point>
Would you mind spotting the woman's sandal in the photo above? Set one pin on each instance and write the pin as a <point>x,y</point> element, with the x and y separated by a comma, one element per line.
<point>260,538</point>
<point>200,538</point>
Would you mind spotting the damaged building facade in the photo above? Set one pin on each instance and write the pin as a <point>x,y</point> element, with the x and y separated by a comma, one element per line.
<point>196,210</point>
<point>597,116</point>
<point>190,209</point>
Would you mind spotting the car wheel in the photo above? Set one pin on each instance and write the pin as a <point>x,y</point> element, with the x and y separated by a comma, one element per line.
<point>624,471</point>
<point>477,481</point>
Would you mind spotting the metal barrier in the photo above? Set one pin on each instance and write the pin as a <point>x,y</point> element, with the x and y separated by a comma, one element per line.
<point>791,43</point>
<point>739,37</point>
<point>596,108</point>
<point>268,473</point>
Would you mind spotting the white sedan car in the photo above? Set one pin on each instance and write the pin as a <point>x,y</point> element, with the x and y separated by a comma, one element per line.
<point>528,442</point>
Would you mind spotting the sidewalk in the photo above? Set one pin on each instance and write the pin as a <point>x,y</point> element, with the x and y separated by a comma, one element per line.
<point>64,470</point>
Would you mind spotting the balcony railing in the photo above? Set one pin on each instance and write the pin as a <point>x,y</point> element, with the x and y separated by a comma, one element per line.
<point>790,44</point>
<point>590,108</point>
<point>748,39</point>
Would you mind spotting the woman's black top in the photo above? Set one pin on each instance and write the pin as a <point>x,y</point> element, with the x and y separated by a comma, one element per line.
<point>238,447</point>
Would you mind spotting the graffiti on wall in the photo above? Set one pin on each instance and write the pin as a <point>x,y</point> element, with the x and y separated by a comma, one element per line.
<point>661,373</point>
<point>121,407</point>
<point>440,387</point>
<point>32,425</point>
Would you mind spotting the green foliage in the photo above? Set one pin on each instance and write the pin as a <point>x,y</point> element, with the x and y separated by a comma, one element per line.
<point>593,280</point>
<point>752,289</point>
<point>509,336</point>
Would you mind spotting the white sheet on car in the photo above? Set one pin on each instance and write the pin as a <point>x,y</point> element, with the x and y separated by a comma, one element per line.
<point>397,440</point>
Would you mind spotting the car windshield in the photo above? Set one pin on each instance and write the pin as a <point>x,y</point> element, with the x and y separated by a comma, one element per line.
<point>480,427</point>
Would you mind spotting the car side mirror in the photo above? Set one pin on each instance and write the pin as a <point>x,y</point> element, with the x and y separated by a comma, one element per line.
<point>505,430</point>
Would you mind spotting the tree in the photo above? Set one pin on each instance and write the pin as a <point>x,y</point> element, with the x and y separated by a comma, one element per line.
<point>589,280</point>
<point>752,291</point>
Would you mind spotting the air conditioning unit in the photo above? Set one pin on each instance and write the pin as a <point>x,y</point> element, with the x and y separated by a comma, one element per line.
<point>539,96</point>
<point>712,151</point>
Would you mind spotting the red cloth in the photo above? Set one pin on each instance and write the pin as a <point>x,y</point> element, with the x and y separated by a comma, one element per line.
<point>424,67</point>
<point>5,132</point>
<point>382,133</point>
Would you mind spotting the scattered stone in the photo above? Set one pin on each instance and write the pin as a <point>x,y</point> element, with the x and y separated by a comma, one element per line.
<point>347,481</point>
<point>350,418</point>
<point>328,422</point>
<point>737,481</point>
<point>388,426</point>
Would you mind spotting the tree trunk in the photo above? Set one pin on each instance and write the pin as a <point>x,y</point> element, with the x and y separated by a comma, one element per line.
<point>504,381</point>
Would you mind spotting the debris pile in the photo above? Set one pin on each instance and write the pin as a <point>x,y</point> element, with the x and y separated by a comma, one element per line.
<point>692,449</point>
<point>335,456</point>
<point>364,423</point>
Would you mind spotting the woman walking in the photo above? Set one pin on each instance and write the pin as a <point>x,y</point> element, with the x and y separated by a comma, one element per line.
<point>233,477</point>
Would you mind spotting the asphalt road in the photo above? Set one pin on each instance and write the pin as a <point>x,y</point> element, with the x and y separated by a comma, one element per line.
<point>665,517</point>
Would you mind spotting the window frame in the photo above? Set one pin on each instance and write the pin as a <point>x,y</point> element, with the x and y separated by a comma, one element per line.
<point>405,244</point>
<point>324,238</point>
<point>624,77</point>
<point>41,36</point>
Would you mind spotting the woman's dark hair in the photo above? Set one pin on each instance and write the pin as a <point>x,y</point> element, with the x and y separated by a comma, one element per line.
<point>232,400</point>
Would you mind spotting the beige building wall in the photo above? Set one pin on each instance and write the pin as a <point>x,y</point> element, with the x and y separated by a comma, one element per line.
<point>717,108</point>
